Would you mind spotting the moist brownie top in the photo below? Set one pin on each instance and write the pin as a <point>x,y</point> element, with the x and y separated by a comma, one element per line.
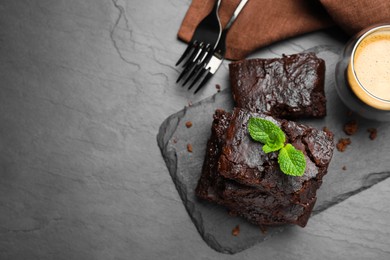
<point>244,161</point>
<point>212,186</point>
<point>253,204</point>
<point>287,87</point>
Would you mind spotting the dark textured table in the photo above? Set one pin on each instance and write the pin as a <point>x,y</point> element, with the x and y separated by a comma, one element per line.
<point>85,86</point>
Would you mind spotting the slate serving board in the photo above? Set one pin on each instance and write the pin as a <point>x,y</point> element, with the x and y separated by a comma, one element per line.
<point>364,163</point>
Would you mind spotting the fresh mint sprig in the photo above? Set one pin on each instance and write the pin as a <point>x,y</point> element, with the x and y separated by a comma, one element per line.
<point>291,161</point>
<point>267,133</point>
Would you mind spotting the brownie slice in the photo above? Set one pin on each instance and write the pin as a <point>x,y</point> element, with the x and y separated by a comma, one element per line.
<point>287,87</point>
<point>257,206</point>
<point>244,161</point>
<point>262,208</point>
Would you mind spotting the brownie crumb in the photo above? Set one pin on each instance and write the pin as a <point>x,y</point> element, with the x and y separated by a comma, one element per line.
<point>344,168</point>
<point>343,143</point>
<point>351,127</point>
<point>373,133</point>
<point>232,213</point>
<point>188,124</point>
<point>174,140</point>
<point>327,131</point>
<point>236,230</point>
<point>263,229</point>
<point>218,87</point>
<point>189,148</point>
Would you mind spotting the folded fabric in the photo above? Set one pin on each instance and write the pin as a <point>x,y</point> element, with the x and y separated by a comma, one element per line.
<point>263,22</point>
<point>355,15</point>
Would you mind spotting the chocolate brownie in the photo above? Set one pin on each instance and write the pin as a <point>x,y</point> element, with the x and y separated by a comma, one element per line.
<point>257,206</point>
<point>262,208</point>
<point>244,161</point>
<point>287,87</point>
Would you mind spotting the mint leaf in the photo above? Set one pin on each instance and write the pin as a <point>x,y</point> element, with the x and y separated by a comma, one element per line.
<point>275,142</point>
<point>291,161</point>
<point>266,132</point>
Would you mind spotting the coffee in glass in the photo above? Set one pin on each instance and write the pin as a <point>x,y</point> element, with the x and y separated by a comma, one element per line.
<point>363,73</point>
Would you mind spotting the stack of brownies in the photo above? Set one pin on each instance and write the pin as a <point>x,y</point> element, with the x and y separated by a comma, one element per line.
<point>237,173</point>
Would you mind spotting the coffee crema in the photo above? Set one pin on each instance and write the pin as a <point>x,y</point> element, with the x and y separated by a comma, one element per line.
<point>369,70</point>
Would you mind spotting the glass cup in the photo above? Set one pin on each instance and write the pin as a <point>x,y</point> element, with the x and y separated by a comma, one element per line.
<point>361,78</point>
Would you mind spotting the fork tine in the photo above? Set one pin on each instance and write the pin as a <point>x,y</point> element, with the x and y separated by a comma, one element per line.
<point>197,65</point>
<point>187,52</point>
<point>191,71</point>
<point>197,78</point>
<point>195,54</point>
<point>192,74</point>
<point>191,63</point>
<point>188,69</point>
<point>198,68</point>
<point>204,81</point>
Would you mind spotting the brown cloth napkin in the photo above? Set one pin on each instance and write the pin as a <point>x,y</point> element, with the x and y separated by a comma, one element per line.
<point>263,22</point>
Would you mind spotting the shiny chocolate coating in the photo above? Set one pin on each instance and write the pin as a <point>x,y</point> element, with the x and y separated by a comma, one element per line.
<point>287,87</point>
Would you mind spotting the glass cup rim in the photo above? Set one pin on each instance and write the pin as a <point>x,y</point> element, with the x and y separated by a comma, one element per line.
<point>361,38</point>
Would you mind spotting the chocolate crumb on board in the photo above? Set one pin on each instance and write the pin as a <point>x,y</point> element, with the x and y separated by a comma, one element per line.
<point>236,230</point>
<point>189,148</point>
<point>351,127</point>
<point>327,131</point>
<point>342,144</point>
<point>373,133</point>
<point>232,213</point>
<point>263,229</point>
<point>218,87</point>
<point>188,124</point>
<point>344,168</point>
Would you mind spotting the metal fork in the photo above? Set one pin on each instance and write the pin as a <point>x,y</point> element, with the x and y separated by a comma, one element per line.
<point>204,41</point>
<point>206,69</point>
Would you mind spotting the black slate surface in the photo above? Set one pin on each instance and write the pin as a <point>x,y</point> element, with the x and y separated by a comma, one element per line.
<point>364,163</point>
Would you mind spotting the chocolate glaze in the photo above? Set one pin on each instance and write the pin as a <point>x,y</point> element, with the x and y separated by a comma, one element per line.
<point>262,194</point>
<point>244,161</point>
<point>287,87</point>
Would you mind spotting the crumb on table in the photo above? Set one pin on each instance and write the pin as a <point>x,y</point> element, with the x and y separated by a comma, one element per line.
<point>236,230</point>
<point>232,213</point>
<point>327,131</point>
<point>189,148</point>
<point>344,168</point>
<point>351,127</point>
<point>188,124</point>
<point>263,229</point>
<point>373,133</point>
<point>342,144</point>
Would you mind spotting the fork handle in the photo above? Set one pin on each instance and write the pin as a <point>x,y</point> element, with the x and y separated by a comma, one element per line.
<point>235,14</point>
<point>216,6</point>
<point>221,47</point>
